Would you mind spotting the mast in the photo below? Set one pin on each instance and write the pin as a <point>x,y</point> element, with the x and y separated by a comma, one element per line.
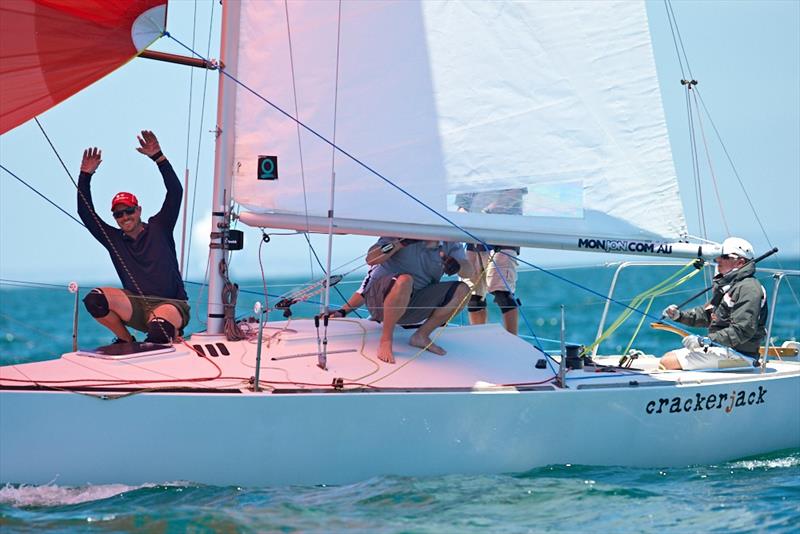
<point>223,162</point>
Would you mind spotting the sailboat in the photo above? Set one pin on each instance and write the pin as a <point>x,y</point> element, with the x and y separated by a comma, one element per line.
<point>371,118</point>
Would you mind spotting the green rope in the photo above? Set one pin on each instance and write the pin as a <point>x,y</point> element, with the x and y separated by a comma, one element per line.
<point>657,290</point>
<point>650,303</point>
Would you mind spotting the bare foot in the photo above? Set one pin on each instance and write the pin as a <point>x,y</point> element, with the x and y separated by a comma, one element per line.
<point>424,342</point>
<point>385,352</point>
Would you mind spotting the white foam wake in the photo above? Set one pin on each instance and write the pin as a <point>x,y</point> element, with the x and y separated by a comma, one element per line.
<point>774,463</point>
<point>53,495</point>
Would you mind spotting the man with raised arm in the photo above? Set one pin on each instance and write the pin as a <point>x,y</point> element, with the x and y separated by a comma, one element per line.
<point>735,315</point>
<point>405,289</point>
<point>153,299</point>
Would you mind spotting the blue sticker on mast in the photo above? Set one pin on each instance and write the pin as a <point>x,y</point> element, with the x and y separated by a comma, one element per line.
<point>267,168</point>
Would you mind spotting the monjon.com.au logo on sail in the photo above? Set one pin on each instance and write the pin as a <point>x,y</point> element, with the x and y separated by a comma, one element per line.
<point>698,402</point>
<point>612,245</point>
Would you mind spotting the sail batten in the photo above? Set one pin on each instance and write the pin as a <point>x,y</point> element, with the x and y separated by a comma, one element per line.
<point>528,117</point>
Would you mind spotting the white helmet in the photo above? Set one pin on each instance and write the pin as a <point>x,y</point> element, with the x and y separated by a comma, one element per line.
<point>736,246</point>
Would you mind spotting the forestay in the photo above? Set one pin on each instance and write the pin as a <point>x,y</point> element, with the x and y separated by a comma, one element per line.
<point>533,123</point>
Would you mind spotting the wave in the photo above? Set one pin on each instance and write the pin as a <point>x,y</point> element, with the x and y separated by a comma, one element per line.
<point>783,462</point>
<point>25,496</point>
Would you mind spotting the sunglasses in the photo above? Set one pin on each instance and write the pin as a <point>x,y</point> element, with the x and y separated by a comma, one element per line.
<point>126,211</point>
<point>726,257</point>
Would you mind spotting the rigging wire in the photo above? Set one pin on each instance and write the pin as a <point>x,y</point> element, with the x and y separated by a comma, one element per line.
<point>312,253</point>
<point>199,143</point>
<point>392,184</point>
<point>299,140</point>
<point>698,185</point>
<point>338,148</point>
<point>689,83</point>
<point>33,284</point>
<point>670,16</point>
<point>188,142</point>
<point>49,142</point>
<point>327,297</point>
<point>744,190</point>
<point>111,248</point>
<point>710,165</point>
<point>27,325</point>
<point>26,184</point>
<point>683,57</point>
<point>680,39</point>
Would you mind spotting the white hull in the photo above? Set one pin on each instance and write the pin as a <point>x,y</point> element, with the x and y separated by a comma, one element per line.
<point>304,437</point>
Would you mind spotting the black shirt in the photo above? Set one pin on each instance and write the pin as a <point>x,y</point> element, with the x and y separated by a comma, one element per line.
<point>146,265</point>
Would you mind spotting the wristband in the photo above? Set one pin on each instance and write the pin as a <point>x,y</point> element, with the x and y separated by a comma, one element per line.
<point>341,311</point>
<point>155,156</point>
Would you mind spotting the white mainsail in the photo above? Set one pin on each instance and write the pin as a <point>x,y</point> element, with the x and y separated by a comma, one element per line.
<point>529,123</point>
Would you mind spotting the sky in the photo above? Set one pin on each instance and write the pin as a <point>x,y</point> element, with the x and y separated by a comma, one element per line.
<point>746,56</point>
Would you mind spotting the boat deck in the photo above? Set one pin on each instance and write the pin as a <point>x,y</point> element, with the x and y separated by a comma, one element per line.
<point>482,358</point>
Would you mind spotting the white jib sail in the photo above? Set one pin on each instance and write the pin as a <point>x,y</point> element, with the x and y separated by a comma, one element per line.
<point>532,123</point>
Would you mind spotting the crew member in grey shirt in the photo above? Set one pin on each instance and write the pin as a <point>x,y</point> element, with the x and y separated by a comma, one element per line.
<point>405,288</point>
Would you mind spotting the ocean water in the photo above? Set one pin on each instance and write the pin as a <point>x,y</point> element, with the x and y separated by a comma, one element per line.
<point>747,495</point>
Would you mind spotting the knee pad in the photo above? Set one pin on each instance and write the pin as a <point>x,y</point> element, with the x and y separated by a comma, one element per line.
<point>160,331</point>
<point>505,301</point>
<point>96,303</point>
<point>476,303</point>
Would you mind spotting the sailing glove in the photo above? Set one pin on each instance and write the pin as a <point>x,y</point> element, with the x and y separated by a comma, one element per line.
<point>672,312</point>
<point>696,343</point>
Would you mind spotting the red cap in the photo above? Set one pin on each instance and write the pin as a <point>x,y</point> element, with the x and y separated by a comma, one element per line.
<point>127,199</point>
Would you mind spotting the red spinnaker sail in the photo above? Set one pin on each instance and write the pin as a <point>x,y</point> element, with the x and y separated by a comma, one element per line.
<point>51,49</point>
